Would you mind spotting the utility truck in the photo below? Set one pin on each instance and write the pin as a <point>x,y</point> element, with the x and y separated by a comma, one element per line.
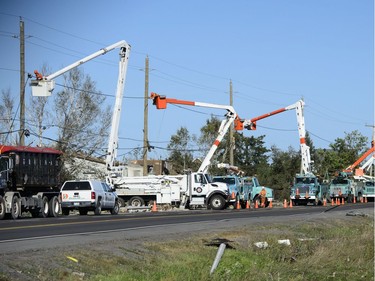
<point>30,175</point>
<point>347,185</point>
<point>306,187</point>
<point>245,188</point>
<point>191,190</point>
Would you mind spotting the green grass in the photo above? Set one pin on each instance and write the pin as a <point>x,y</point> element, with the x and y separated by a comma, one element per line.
<point>341,249</point>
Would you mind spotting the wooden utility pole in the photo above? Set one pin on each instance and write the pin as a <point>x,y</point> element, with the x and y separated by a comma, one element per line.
<point>231,140</point>
<point>145,123</point>
<point>22,83</point>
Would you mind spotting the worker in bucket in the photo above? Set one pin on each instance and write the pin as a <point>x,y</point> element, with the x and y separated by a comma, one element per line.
<point>263,194</point>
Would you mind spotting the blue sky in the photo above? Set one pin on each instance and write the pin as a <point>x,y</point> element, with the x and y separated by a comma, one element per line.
<point>275,52</point>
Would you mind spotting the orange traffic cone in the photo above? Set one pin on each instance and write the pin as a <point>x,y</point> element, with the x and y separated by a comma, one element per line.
<point>332,201</point>
<point>354,200</point>
<point>361,200</point>
<point>238,206</point>
<point>324,202</point>
<point>338,202</point>
<point>256,204</point>
<point>154,208</point>
<point>247,204</point>
<point>285,206</point>
<point>270,205</point>
<point>233,195</point>
<point>366,199</point>
<point>342,201</point>
<point>291,204</point>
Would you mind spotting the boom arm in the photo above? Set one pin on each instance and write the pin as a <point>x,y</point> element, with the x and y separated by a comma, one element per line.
<point>44,85</point>
<point>250,124</point>
<point>360,159</point>
<point>161,103</point>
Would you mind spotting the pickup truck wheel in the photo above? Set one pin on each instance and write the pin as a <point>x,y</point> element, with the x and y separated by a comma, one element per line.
<point>98,208</point>
<point>2,208</point>
<point>136,201</point>
<point>217,202</point>
<point>65,211</point>
<point>15,211</point>
<point>45,207</point>
<point>115,209</point>
<point>54,207</point>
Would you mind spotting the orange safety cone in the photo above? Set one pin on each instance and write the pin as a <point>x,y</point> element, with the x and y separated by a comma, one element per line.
<point>291,204</point>
<point>233,196</point>
<point>366,199</point>
<point>247,204</point>
<point>324,202</point>
<point>238,206</point>
<point>343,201</point>
<point>338,201</point>
<point>285,206</point>
<point>256,204</point>
<point>333,202</point>
<point>270,204</point>
<point>361,199</point>
<point>354,200</point>
<point>154,208</point>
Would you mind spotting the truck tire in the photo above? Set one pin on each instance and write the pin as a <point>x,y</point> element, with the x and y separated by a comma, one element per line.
<point>45,207</point>
<point>136,201</point>
<point>217,202</point>
<point>2,208</point>
<point>15,211</point>
<point>121,202</point>
<point>115,210</point>
<point>98,208</point>
<point>54,207</point>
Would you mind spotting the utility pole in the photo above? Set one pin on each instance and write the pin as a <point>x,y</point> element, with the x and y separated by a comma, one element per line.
<point>145,123</point>
<point>231,140</point>
<point>22,83</point>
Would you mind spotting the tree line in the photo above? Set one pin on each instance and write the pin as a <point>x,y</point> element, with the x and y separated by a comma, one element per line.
<point>274,167</point>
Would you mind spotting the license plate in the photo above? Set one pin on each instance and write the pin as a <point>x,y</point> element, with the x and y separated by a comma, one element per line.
<point>76,203</point>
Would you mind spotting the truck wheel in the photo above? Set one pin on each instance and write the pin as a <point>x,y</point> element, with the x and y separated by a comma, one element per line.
<point>98,208</point>
<point>136,201</point>
<point>54,207</point>
<point>121,202</point>
<point>217,202</point>
<point>15,211</point>
<point>2,208</point>
<point>45,207</point>
<point>65,211</point>
<point>116,208</point>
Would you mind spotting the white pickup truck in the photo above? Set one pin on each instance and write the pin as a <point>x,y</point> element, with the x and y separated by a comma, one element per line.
<point>88,195</point>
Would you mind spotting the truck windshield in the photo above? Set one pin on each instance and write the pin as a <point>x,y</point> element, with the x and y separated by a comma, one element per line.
<point>305,180</point>
<point>230,181</point>
<point>84,185</point>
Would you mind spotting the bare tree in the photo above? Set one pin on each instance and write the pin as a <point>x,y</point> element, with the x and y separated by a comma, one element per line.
<point>7,121</point>
<point>83,125</point>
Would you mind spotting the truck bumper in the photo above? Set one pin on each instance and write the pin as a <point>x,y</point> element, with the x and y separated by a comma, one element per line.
<point>73,205</point>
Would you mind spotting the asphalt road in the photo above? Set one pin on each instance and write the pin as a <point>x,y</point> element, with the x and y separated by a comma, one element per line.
<point>36,233</point>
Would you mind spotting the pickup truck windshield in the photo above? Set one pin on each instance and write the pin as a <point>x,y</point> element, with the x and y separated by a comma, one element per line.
<point>84,185</point>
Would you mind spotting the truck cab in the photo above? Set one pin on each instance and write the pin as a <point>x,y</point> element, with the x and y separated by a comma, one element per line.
<point>307,189</point>
<point>250,190</point>
<point>234,186</point>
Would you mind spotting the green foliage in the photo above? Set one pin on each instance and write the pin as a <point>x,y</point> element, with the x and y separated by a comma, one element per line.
<point>181,157</point>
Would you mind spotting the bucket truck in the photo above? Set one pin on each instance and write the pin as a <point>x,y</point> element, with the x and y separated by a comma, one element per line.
<point>192,190</point>
<point>246,188</point>
<point>29,177</point>
<point>306,188</point>
<point>345,185</point>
